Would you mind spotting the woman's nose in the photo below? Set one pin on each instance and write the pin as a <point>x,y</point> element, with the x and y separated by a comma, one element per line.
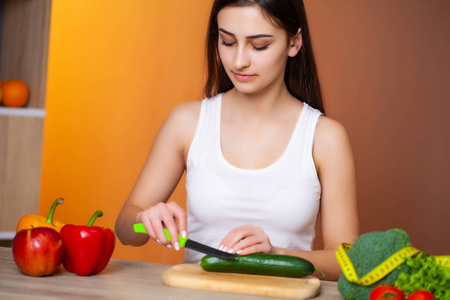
<point>241,59</point>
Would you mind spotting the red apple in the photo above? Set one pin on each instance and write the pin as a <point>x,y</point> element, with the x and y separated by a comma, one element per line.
<point>38,251</point>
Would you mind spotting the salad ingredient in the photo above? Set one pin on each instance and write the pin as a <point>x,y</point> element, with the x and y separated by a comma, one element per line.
<point>421,295</point>
<point>370,250</point>
<point>88,248</point>
<point>34,221</point>
<point>260,264</point>
<point>382,292</point>
<point>426,274</point>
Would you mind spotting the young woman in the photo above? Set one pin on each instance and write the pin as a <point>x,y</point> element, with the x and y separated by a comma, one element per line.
<point>261,159</point>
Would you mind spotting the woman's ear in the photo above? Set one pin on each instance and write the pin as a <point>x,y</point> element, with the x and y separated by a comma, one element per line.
<point>295,43</point>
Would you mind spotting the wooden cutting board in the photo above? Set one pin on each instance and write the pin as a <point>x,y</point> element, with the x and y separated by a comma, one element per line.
<point>192,276</point>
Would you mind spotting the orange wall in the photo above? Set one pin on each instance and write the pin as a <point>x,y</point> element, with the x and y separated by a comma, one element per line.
<point>116,69</point>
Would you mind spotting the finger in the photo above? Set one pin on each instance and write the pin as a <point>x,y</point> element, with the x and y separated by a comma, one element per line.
<point>255,248</point>
<point>232,238</point>
<point>159,232</point>
<point>181,218</point>
<point>253,236</point>
<point>156,219</point>
<point>171,225</point>
<point>148,227</point>
<point>254,244</point>
<point>244,243</point>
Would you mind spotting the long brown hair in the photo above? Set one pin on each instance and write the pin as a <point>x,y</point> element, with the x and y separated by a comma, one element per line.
<point>301,73</point>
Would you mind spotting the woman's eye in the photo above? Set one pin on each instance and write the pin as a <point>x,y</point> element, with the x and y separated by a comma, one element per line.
<point>227,44</point>
<point>260,48</point>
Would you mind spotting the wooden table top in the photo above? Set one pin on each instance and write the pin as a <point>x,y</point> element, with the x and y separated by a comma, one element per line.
<point>122,279</point>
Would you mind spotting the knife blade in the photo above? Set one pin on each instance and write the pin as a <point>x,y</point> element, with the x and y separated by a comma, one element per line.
<point>187,243</point>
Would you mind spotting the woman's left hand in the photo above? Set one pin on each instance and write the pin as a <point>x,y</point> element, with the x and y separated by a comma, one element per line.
<point>246,239</point>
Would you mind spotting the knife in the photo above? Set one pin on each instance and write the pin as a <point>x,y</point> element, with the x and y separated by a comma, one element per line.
<point>187,243</point>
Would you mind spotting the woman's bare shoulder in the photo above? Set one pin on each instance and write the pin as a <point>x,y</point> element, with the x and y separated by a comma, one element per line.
<point>330,132</point>
<point>182,121</point>
<point>184,111</point>
<point>331,141</point>
<point>187,109</point>
<point>185,115</point>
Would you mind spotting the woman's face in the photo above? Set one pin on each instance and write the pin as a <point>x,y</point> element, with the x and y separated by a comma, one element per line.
<point>253,51</point>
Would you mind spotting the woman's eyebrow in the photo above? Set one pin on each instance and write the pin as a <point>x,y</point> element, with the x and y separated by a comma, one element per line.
<point>256,36</point>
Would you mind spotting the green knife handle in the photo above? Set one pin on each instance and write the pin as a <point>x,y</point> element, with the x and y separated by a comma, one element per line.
<point>139,227</point>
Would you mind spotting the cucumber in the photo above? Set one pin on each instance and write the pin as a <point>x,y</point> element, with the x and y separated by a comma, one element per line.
<point>260,264</point>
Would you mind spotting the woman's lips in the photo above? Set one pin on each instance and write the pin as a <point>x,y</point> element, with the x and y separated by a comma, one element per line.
<point>243,77</point>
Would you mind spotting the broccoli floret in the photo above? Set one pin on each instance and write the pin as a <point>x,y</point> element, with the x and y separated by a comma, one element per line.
<point>369,251</point>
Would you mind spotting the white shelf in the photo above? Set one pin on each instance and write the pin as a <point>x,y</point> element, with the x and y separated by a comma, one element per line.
<point>22,112</point>
<point>7,235</point>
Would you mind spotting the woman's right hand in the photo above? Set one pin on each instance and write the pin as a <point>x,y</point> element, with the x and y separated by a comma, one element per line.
<point>169,215</point>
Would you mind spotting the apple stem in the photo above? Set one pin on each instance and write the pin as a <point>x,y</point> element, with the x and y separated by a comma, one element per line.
<point>97,214</point>
<point>52,209</point>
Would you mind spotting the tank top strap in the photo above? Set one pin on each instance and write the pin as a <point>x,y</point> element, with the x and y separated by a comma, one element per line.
<point>313,120</point>
<point>306,127</point>
<point>207,134</point>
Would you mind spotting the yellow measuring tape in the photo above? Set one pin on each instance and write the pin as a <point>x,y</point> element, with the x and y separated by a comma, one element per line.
<point>383,269</point>
<point>443,260</point>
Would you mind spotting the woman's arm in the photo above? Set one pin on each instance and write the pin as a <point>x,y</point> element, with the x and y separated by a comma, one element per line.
<point>159,177</point>
<point>336,169</point>
<point>335,165</point>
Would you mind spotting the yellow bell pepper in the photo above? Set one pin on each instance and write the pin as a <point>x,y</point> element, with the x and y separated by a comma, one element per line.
<point>33,221</point>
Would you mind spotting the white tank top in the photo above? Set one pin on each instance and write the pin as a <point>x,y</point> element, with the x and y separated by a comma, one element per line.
<point>283,198</point>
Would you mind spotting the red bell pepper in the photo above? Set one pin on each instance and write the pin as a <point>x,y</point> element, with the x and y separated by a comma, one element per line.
<point>88,248</point>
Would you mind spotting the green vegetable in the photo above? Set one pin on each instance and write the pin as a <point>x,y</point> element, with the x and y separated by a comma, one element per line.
<point>426,274</point>
<point>370,250</point>
<point>260,264</point>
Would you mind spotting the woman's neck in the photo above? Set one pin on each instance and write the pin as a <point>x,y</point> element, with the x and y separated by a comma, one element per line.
<point>261,105</point>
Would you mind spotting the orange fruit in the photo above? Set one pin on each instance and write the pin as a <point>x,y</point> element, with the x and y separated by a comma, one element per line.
<point>15,93</point>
